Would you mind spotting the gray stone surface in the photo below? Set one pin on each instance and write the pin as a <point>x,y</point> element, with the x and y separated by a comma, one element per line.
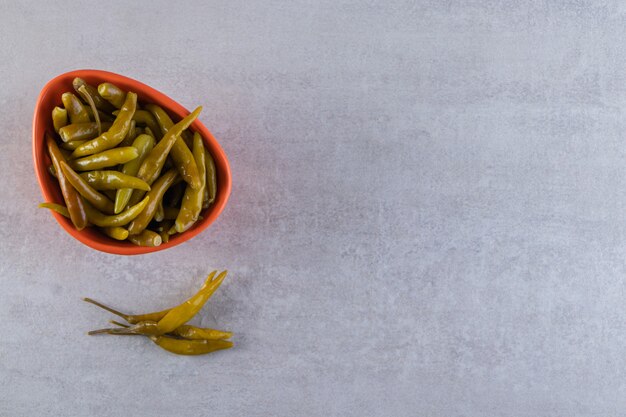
<point>428,214</point>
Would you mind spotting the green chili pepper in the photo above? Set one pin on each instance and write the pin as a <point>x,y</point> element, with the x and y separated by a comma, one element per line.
<point>112,94</point>
<point>70,146</point>
<point>62,210</point>
<point>190,347</point>
<point>105,159</point>
<point>211,177</point>
<point>81,131</point>
<point>143,144</point>
<point>149,131</point>
<point>198,333</point>
<point>100,103</point>
<point>59,118</point>
<point>52,171</point>
<point>156,194</point>
<point>117,232</point>
<point>113,180</point>
<point>98,200</point>
<point>75,109</point>
<point>116,133</point>
<point>192,200</point>
<point>163,120</point>
<point>180,153</point>
<point>131,135</point>
<point>165,236</point>
<point>184,312</point>
<point>73,201</point>
<point>147,119</point>
<point>97,218</point>
<point>160,213</point>
<point>153,164</point>
<point>146,238</point>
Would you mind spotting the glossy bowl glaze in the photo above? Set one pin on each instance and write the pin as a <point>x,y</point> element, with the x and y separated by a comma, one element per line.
<point>50,96</point>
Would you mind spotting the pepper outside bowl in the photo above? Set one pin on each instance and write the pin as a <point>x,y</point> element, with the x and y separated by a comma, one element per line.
<point>50,97</point>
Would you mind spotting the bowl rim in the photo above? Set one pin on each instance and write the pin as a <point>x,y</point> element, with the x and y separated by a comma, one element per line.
<point>170,105</point>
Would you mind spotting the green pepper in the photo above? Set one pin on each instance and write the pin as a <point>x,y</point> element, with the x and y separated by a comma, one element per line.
<point>156,194</point>
<point>75,109</point>
<point>163,228</point>
<point>98,200</point>
<point>97,218</point>
<point>113,180</point>
<point>108,158</point>
<point>159,215</point>
<point>190,347</point>
<point>112,94</point>
<point>116,133</point>
<point>198,333</point>
<point>70,146</point>
<point>73,201</point>
<point>184,312</point>
<point>143,144</point>
<point>164,121</point>
<point>59,118</point>
<point>192,200</point>
<point>180,153</point>
<point>149,131</point>
<point>100,103</point>
<point>153,164</point>
<point>52,171</point>
<point>165,236</point>
<point>62,210</point>
<point>211,177</point>
<point>146,238</point>
<point>116,232</point>
<point>81,131</point>
<point>146,118</point>
<point>131,135</point>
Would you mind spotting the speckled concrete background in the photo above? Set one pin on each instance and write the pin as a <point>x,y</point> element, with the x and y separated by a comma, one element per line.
<point>428,215</point>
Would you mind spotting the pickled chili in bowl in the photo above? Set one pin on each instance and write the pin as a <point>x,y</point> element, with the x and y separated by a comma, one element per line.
<point>125,167</point>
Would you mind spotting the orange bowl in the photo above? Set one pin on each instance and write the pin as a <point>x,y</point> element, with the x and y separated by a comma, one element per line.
<point>50,96</point>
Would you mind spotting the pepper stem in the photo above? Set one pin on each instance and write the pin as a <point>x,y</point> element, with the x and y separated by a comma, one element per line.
<point>107,308</point>
<point>117,332</point>
<point>85,94</point>
<point>99,331</point>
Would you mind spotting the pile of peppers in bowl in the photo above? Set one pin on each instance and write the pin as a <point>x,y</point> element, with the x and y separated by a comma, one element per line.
<point>125,167</point>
